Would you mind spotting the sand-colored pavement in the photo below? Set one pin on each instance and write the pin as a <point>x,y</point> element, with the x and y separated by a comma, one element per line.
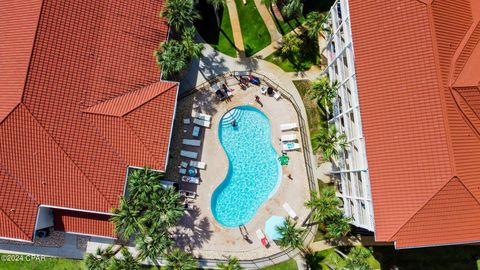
<point>236,30</point>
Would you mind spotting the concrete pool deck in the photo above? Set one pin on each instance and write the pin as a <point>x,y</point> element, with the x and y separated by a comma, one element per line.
<point>199,232</point>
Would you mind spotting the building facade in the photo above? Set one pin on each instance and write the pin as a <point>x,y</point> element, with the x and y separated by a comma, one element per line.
<point>350,168</point>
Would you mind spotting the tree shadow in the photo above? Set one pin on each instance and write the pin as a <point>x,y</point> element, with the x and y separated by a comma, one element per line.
<point>192,233</point>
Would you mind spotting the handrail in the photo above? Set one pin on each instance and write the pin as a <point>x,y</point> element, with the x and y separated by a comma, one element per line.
<point>290,252</point>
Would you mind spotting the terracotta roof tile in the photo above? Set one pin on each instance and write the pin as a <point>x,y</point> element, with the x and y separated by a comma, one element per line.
<point>82,222</point>
<point>417,137</point>
<point>85,54</point>
<point>18,24</point>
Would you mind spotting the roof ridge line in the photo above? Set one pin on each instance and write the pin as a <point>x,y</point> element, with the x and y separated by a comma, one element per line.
<point>441,90</point>
<point>31,53</point>
<point>87,110</point>
<point>157,95</point>
<point>461,111</point>
<point>63,151</point>
<point>460,49</point>
<point>421,207</point>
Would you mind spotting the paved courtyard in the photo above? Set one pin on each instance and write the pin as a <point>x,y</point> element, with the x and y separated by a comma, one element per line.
<point>199,231</point>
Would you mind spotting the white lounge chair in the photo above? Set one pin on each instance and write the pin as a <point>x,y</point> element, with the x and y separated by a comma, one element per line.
<point>290,211</point>
<point>191,180</point>
<point>201,116</point>
<point>191,142</point>
<point>203,123</point>
<point>198,164</point>
<point>187,205</point>
<point>241,73</point>
<point>263,90</point>
<point>277,95</point>
<point>290,146</point>
<point>183,164</point>
<point>262,238</point>
<point>289,126</point>
<point>186,121</point>
<point>187,194</point>
<point>189,154</point>
<point>289,137</point>
<point>196,131</point>
<point>182,171</point>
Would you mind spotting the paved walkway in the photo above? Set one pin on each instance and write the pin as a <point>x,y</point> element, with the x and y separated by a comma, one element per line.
<point>237,32</point>
<point>267,18</point>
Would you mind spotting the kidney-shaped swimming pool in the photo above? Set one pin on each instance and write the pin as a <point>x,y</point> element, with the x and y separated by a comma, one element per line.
<point>254,171</point>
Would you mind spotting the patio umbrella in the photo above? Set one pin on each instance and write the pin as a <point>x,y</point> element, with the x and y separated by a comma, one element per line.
<point>271,227</point>
<point>283,159</point>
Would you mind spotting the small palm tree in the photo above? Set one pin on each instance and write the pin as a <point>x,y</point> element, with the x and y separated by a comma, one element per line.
<point>357,259</point>
<point>180,13</point>
<point>232,264</point>
<point>316,23</point>
<point>171,57</point>
<point>329,141</point>
<point>324,205</point>
<point>100,260</point>
<point>217,5</point>
<point>291,236</point>
<point>192,48</point>
<point>126,218</point>
<point>126,262</point>
<point>291,45</point>
<point>180,260</point>
<point>152,247</point>
<point>338,227</point>
<point>293,8</point>
<point>324,92</point>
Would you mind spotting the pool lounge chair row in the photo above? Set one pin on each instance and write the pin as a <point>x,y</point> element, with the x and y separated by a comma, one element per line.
<point>288,140</point>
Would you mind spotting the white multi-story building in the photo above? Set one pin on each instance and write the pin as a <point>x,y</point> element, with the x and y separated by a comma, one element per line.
<point>350,169</point>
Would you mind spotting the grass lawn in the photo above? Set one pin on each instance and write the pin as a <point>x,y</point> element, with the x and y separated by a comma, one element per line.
<point>286,265</point>
<point>47,264</point>
<point>222,40</point>
<point>301,61</point>
<point>317,260</point>
<point>315,116</point>
<point>438,258</point>
<point>254,32</point>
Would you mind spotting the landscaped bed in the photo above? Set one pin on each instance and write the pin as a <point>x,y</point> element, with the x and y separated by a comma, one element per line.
<point>301,61</point>
<point>254,32</point>
<point>220,39</point>
<point>319,260</point>
<point>315,116</point>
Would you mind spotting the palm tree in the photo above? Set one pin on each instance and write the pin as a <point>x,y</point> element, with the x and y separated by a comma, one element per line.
<point>192,48</point>
<point>324,92</point>
<point>338,227</point>
<point>180,260</point>
<point>152,247</point>
<point>126,262</point>
<point>329,141</point>
<point>100,260</point>
<point>357,259</point>
<point>291,44</point>
<point>316,23</point>
<point>180,13</point>
<point>171,57</point>
<point>217,4</point>
<point>291,236</point>
<point>126,218</point>
<point>293,8</point>
<point>232,264</point>
<point>324,206</point>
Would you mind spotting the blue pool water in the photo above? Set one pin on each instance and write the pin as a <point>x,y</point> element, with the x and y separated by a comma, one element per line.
<point>254,171</point>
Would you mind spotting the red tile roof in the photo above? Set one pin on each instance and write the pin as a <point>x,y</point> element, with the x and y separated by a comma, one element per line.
<point>83,223</point>
<point>423,145</point>
<point>89,104</point>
